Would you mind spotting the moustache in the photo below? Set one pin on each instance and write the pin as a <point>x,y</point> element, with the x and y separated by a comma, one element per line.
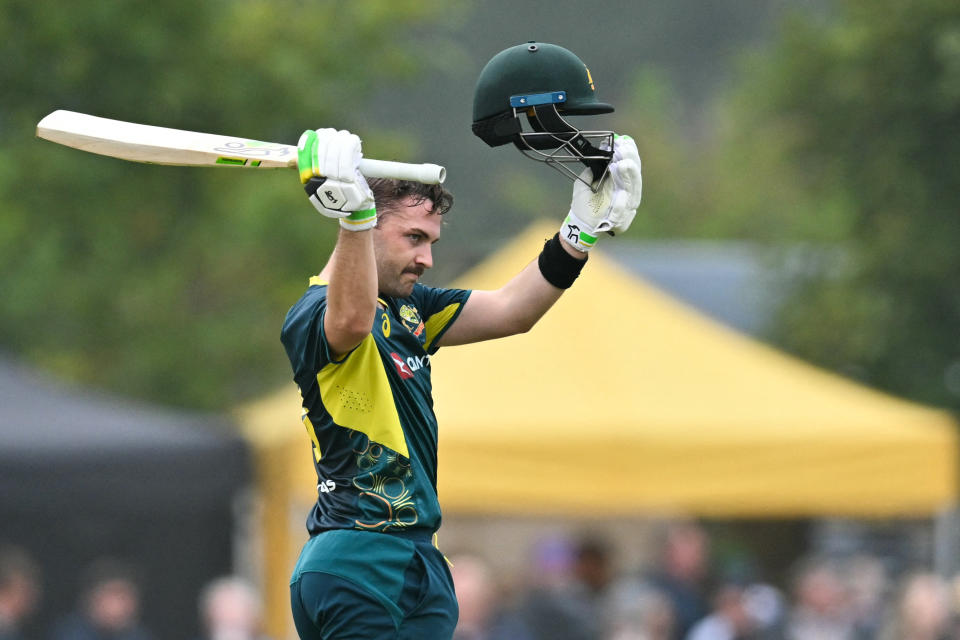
<point>418,271</point>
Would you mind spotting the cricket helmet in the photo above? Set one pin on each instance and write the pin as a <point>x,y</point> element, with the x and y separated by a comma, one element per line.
<point>541,83</point>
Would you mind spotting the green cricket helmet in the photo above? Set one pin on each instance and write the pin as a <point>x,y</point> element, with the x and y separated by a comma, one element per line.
<point>541,83</point>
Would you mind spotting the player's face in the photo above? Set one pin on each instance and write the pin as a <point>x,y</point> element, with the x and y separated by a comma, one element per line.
<point>403,241</point>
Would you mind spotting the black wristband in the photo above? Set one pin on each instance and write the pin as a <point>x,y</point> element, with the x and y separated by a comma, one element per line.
<point>558,267</point>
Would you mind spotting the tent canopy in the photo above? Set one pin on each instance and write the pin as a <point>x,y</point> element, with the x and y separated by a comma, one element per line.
<point>623,400</point>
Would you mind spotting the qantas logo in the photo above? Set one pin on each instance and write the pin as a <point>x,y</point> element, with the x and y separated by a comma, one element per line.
<point>401,366</point>
<point>406,368</point>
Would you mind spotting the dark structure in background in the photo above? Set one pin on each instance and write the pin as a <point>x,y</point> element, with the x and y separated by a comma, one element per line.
<point>84,476</point>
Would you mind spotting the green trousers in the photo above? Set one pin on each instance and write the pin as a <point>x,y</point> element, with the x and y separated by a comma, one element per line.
<point>351,584</point>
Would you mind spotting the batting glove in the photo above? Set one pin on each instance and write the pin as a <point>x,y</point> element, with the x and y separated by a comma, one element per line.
<point>328,160</point>
<point>612,206</point>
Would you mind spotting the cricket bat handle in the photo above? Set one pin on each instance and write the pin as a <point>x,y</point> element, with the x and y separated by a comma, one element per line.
<point>426,173</point>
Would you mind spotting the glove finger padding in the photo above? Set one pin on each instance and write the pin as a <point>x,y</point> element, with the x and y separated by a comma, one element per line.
<point>321,152</point>
<point>624,147</point>
<point>628,187</point>
<point>341,155</point>
<point>612,223</point>
<point>333,154</point>
<point>628,178</point>
<point>588,208</point>
<point>328,161</point>
<point>625,168</point>
<point>613,206</point>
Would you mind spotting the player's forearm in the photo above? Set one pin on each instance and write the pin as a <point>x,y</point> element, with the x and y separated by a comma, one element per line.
<point>573,251</point>
<point>528,296</point>
<point>514,308</point>
<point>525,299</point>
<point>352,291</point>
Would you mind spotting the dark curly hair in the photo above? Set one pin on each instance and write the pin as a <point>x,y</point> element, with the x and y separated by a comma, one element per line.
<point>390,193</point>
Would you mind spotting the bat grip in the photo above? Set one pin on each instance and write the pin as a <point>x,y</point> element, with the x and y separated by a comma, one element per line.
<point>425,173</point>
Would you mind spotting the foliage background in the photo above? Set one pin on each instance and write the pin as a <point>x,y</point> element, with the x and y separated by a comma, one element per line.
<point>169,283</point>
<point>826,129</point>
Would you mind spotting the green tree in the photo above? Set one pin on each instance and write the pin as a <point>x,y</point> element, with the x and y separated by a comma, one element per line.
<point>848,133</point>
<point>170,283</point>
<point>678,198</point>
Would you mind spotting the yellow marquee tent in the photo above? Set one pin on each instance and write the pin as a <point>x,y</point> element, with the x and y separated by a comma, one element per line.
<point>624,401</point>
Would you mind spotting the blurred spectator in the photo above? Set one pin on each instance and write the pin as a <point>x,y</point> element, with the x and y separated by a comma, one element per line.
<point>109,607</point>
<point>593,576</point>
<point>681,574</point>
<point>819,610</point>
<point>867,587</point>
<point>565,603</point>
<point>19,590</point>
<point>922,612</point>
<point>639,612</point>
<point>592,569</point>
<point>230,609</point>
<point>730,618</point>
<point>765,605</point>
<point>481,616</point>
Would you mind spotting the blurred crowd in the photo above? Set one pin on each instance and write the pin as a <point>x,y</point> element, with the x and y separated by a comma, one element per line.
<point>573,591</point>
<point>576,593</point>
<point>108,605</point>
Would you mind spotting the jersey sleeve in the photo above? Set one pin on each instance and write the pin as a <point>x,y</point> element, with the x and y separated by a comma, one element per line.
<point>440,309</point>
<point>303,335</point>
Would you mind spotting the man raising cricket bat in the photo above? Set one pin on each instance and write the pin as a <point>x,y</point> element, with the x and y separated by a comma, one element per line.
<point>361,337</point>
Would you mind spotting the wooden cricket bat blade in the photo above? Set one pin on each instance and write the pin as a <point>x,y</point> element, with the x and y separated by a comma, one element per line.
<point>161,145</point>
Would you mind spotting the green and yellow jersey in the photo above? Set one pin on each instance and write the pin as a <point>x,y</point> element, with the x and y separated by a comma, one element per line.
<point>370,413</point>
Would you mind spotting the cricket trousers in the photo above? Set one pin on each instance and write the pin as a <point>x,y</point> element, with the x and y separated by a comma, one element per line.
<point>362,585</point>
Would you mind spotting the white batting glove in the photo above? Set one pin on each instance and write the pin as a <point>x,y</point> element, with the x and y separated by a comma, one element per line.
<point>612,207</point>
<point>328,161</point>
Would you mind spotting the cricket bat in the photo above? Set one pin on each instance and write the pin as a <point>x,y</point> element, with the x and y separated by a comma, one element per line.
<point>160,145</point>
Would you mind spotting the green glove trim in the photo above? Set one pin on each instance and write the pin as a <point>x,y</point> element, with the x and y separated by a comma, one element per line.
<point>306,155</point>
<point>573,231</point>
<point>360,220</point>
<point>363,215</point>
<point>587,239</point>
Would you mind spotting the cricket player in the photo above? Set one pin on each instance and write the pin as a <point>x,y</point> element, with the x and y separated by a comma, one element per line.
<point>360,341</point>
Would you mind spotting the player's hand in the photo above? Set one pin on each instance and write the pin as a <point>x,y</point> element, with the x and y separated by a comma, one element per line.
<point>328,160</point>
<point>608,207</point>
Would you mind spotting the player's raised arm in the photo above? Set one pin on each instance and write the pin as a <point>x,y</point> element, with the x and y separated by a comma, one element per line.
<point>597,208</point>
<point>328,162</point>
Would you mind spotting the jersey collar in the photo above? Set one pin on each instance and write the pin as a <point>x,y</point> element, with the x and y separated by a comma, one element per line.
<point>319,282</point>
